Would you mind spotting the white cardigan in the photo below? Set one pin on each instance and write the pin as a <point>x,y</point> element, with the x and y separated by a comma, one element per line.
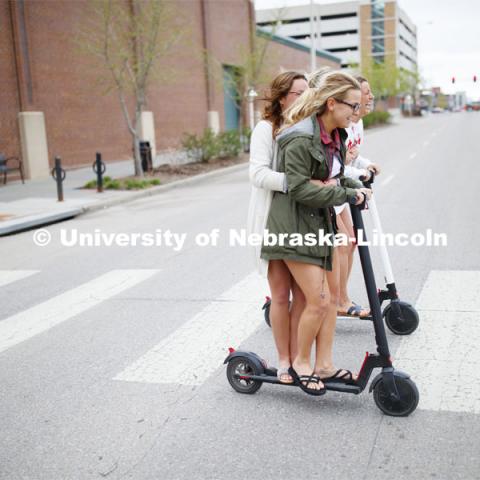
<point>265,180</point>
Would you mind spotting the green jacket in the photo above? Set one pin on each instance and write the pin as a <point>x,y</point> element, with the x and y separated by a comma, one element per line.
<point>305,208</point>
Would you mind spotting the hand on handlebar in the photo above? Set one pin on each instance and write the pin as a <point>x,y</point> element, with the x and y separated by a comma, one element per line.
<point>367,175</point>
<point>363,194</point>
<point>373,167</point>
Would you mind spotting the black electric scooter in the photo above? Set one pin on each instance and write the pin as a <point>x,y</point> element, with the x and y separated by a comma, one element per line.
<point>394,392</point>
<point>400,317</point>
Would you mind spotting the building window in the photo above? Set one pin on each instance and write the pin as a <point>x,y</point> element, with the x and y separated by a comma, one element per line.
<point>378,28</point>
<point>345,49</point>
<point>378,9</point>
<point>378,45</point>
<point>337,16</point>
<point>339,32</point>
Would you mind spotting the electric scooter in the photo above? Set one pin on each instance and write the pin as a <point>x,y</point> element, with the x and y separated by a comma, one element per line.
<point>400,317</point>
<point>394,392</point>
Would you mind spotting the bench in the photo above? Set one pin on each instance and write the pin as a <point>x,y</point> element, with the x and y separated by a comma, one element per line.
<point>5,167</point>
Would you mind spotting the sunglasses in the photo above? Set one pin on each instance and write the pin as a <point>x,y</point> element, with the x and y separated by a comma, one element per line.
<point>354,106</point>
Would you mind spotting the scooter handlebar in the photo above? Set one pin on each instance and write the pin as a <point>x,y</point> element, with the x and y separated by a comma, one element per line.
<point>368,183</point>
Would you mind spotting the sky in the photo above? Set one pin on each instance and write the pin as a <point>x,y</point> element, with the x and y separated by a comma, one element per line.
<point>448,37</point>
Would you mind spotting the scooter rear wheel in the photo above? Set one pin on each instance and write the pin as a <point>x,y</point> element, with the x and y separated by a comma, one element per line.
<point>239,367</point>
<point>402,406</point>
<point>406,324</point>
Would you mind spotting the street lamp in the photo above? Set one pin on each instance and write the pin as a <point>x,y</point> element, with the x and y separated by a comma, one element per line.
<point>251,95</point>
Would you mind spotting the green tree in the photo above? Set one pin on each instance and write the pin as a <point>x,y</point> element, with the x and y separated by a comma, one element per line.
<point>388,80</point>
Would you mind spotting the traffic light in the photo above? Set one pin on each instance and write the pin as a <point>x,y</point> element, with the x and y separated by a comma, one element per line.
<point>453,79</point>
<point>475,78</point>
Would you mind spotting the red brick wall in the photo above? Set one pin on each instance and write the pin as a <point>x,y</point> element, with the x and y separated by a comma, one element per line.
<point>9,101</point>
<point>80,118</point>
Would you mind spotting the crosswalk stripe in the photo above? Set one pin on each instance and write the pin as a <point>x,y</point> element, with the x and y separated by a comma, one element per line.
<point>442,356</point>
<point>195,350</point>
<point>38,319</point>
<point>10,276</point>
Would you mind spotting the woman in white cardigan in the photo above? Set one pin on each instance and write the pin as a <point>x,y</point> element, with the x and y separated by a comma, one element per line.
<point>284,90</point>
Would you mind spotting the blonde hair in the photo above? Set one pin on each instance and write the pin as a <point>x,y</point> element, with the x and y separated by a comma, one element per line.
<point>334,84</point>
<point>315,78</point>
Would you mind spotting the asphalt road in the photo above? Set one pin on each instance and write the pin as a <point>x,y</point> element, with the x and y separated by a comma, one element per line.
<point>111,356</point>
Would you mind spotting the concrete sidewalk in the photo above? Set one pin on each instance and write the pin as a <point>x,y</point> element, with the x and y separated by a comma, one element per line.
<point>29,205</point>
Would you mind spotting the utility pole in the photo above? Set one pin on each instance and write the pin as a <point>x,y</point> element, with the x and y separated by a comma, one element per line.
<point>313,53</point>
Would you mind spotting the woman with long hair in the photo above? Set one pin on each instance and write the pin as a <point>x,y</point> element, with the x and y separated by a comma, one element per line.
<point>283,92</point>
<point>358,168</point>
<point>312,146</point>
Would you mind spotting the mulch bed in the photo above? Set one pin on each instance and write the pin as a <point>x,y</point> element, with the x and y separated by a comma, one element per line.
<point>169,173</point>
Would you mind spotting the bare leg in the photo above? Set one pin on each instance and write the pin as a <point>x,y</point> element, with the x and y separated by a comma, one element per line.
<point>343,254</point>
<point>345,226</point>
<point>311,280</point>
<point>348,225</point>
<point>279,279</point>
<point>324,366</point>
<point>326,334</point>
<point>296,309</point>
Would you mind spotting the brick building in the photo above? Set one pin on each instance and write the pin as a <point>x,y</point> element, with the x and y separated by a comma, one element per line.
<point>43,71</point>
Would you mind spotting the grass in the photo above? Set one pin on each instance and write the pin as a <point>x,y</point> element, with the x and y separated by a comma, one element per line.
<point>124,184</point>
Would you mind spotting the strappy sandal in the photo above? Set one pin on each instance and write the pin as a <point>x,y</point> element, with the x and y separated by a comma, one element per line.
<point>340,376</point>
<point>353,311</point>
<point>302,381</point>
<point>281,372</point>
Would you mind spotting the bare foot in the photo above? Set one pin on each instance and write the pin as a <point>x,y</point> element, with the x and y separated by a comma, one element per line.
<point>305,370</point>
<point>334,374</point>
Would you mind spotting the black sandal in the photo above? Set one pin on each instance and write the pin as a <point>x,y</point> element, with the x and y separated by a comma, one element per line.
<point>337,377</point>
<point>302,381</point>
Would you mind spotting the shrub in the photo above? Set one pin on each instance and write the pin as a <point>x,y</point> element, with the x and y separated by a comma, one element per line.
<point>208,145</point>
<point>201,148</point>
<point>91,184</point>
<point>113,185</point>
<point>229,144</point>
<point>376,118</point>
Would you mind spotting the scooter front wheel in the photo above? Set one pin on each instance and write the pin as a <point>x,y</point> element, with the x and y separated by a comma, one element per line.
<point>402,406</point>
<point>402,320</point>
<point>238,370</point>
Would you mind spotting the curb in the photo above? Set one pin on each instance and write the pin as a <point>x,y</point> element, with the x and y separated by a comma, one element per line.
<point>163,188</point>
<point>47,218</point>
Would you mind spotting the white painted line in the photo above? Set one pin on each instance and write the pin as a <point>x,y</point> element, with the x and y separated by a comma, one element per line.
<point>195,350</point>
<point>10,276</point>
<point>426,143</point>
<point>443,356</point>
<point>412,156</point>
<point>42,317</point>
<point>387,180</point>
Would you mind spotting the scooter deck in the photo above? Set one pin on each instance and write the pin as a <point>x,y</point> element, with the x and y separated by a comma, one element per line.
<point>353,317</point>
<point>271,377</point>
